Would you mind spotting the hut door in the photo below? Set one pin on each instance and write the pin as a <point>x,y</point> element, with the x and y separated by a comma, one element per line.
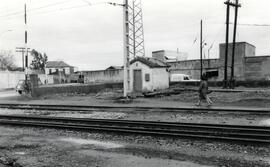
<point>137,80</point>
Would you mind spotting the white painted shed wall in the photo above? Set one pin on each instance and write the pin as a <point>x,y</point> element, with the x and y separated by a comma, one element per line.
<point>159,77</point>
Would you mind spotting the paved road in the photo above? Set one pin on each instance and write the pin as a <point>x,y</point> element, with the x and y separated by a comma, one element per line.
<point>11,95</point>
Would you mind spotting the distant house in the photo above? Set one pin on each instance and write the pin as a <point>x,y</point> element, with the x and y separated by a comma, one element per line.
<point>56,67</point>
<point>148,74</point>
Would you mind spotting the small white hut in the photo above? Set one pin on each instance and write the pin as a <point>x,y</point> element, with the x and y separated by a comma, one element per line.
<point>148,74</point>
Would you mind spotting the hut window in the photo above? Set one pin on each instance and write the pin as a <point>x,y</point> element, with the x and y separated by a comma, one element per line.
<point>147,77</point>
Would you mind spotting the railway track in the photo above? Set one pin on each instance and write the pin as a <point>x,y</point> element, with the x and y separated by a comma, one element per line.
<point>235,133</point>
<point>165,109</point>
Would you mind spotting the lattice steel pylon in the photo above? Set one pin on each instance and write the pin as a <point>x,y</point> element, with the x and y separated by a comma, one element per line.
<point>136,32</point>
<point>133,37</point>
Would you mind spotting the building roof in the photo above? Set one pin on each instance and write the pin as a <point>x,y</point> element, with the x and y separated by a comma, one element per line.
<point>157,51</point>
<point>151,62</point>
<point>222,44</point>
<point>115,68</point>
<point>57,64</point>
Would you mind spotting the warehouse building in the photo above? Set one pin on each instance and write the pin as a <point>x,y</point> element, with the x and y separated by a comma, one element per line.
<point>247,66</point>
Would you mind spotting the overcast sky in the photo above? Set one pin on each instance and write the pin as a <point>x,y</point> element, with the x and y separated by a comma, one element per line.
<point>91,37</point>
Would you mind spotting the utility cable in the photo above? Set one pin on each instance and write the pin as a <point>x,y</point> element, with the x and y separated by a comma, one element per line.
<point>34,11</point>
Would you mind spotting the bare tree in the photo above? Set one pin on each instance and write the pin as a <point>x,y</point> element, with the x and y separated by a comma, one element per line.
<point>7,60</point>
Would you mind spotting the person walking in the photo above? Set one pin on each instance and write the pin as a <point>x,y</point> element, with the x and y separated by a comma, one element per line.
<point>203,91</point>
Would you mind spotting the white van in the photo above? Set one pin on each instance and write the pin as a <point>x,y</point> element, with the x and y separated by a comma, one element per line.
<point>181,78</point>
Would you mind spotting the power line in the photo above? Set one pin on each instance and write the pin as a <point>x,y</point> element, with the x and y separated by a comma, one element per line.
<point>257,25</point>
<point>55,10</point>
<point>246,24</point>
<point>69,8</point>
<point>89,3</point>
<point>33,9</point>
<point>50,5</point>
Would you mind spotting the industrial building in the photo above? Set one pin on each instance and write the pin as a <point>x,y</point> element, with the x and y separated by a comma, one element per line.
<point>247,65</point>
<point>170,56</point>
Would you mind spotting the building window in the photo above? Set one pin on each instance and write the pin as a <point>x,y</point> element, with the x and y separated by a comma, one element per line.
<point>64,71</point>
<point>57,71</point>
<point>212,74</point>
<point>147,77</point>
<point>50,71</point>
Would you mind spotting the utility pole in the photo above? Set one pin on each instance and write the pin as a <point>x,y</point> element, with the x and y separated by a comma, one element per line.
<point>201,48</point>
<point>126,48</point>
<point>225,82</point>
<point>133,36</point>
<point>25,43</point>
<point>232,80</point>
<point>22,50</point>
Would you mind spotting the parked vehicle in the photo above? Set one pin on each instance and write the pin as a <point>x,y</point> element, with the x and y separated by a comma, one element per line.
<point>20,86</point>
<point>23,86</point>
<point>77,78</point>
<point>181,78</point>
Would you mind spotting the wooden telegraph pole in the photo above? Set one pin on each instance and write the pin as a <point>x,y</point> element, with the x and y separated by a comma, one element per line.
<point>231,84</point>
<point>201,48</point>
<point>232,80</point>
<point>225,81</point>
<point>22,50</point>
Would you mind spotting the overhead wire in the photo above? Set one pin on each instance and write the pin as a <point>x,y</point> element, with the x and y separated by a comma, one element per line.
<point>69,8</point>
<point>33,9</point>
<point>15,14</point>
<point>256,25</point>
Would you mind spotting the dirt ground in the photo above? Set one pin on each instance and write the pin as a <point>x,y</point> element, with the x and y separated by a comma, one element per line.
<point>47,147</point>
<point>36,147</point>
<point>252,98</point>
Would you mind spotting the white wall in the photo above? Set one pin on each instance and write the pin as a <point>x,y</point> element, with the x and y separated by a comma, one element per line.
<point>67,70</point>
<point>159,77</point>
<point>47,70</point>
<point>50,79</point>
<point>103,76</point>
<point>10,79</point>
<point>45,79</point>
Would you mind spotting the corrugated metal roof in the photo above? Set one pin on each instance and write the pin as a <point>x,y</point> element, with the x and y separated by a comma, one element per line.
<point>57,64</point>
<point>151,62</point>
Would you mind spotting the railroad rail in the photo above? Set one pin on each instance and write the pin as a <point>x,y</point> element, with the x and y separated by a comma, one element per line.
<point>240,133</point>
<point>96,107</point>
